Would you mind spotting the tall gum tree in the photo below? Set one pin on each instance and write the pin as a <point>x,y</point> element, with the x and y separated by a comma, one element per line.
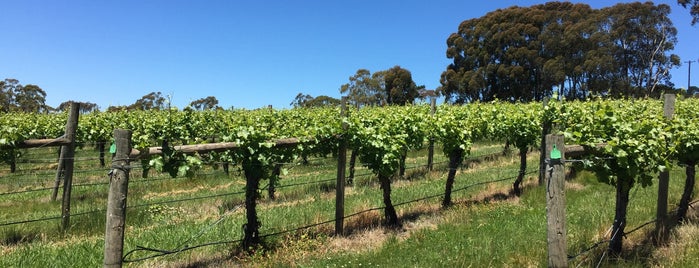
<point>525,53</point>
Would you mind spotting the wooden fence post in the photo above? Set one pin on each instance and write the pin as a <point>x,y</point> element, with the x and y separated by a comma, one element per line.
<point>68,162</point>
<point>430,148</point>
<point>555,202</point>
<point>662,221</point>
<point>545,129</point>
<point>340,185</point>
<point>59,172</point>
<point>116,202</point>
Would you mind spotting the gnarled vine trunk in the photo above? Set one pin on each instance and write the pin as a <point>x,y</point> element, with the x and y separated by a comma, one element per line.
<point>389,211</point>
<point>522,171</point>
<point>253,174</point>
<point>401,170</point>
<point>101,147</point>
<point>455,158</point>
<point>688,191</point>
<point>273,180</point>
<point>623,187</point>
<point>352,162</point>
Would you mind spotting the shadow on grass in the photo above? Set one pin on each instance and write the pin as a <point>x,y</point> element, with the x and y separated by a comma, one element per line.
<point>15,237</point>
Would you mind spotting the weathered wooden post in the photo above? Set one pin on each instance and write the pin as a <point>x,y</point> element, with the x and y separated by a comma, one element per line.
<point>340,185</point>
<point>116,203</point>
<point>430,148</point>
<point>555,202</point>
<point>545,129</point>
<point>662,221</point>
<point>59,172</point>
<point>68,163</point>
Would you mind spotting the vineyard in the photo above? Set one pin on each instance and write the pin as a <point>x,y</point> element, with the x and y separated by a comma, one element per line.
<point>280,159</point>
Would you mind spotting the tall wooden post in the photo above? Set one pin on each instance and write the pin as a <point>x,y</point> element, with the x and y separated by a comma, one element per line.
<point>340,185</point>
<point>68,162</point>
<point>662,220</point>
<point>555,202</point>
<point>116,202</point>
<point>430,148</point>
<point>545,129</point>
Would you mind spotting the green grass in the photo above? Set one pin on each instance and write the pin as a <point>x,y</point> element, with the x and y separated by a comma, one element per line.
<point>486,227</point>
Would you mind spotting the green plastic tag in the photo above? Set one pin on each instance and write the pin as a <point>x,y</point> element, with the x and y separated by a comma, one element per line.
<point>555,153</point>
<point>112,148</point>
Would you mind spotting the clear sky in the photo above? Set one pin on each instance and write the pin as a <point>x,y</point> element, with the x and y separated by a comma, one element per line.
<point>248,54</point>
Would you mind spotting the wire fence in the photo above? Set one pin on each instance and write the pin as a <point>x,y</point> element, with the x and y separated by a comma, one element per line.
<point>148,180</point>
<point>316,163</point>
<point>184,247</point>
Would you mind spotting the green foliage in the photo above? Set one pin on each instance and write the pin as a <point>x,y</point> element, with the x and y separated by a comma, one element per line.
<point>693,8</point>
<point>633,132</point>
<point>383,135</point>
<point>526,53</point>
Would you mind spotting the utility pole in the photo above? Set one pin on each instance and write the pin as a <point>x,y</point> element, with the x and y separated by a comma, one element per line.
<point>689,73</point>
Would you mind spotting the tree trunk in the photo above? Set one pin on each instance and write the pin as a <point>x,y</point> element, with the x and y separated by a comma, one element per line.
<point>688,191</point>
<point>623,187</point>
<point>13,166</point>
<point>455,158</point>
<point>389,211</point>
<point>352,162</point>
<point>253,173</point>
<point>522,170</point>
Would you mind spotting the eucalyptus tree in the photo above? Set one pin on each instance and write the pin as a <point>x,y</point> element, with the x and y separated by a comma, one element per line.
<point>30,99</point>
<point>524,53</point>
<point>85,107</point>
<point>640,36</point>
<point>693,8</point>
<point>363,89</point>
<point>399,86</point>
<point>150,101</point>
<point>207,103</point>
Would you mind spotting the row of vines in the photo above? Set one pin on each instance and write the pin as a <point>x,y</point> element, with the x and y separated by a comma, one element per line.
<point>639,140</point>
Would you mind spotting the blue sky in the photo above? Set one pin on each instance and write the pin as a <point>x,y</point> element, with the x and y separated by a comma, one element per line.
<point>248,54</point>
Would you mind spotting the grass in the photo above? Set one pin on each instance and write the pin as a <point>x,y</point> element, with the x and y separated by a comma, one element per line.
<point>488,226</point>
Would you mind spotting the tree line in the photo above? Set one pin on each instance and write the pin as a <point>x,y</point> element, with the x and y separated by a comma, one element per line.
<point>528,53</point>
<point>394,86</point>
<point>15,97</point>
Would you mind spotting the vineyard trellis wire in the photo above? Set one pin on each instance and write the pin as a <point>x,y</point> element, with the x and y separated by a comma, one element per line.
<point>161,252</point>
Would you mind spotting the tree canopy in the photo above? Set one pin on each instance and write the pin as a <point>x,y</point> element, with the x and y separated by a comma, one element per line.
<point>207,103</point>
<point>363,89</point>
<point>25,98</point>
<point>150,101</point>
<point>394,86</point>
<point>305,100</point>
<point>85,107</point>
<point>693,8</point>
<point>527,53</point>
